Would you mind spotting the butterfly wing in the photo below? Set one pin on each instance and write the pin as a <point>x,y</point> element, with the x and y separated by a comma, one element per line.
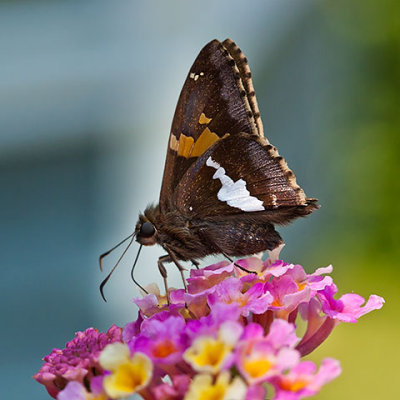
<point>241,175</point>
<point>217,99</point>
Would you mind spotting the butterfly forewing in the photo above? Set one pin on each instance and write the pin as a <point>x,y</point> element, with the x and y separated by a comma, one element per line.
<point>245,75</point>
<point>214,103</point>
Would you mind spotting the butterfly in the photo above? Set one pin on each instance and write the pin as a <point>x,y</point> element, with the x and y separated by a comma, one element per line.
<point>224,185</point>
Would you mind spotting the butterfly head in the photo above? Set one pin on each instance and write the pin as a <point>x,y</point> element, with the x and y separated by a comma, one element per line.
<point>146,232</point>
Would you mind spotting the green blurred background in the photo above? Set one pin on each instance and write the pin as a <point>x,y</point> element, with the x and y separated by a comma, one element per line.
<point>87,94</point>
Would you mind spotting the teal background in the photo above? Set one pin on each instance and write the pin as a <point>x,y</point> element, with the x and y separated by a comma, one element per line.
<point>87,94</point>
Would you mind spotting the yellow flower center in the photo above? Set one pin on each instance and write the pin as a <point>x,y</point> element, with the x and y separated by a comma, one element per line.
<point>216,392</point>
<point>212,354</point>
<point>257,368</point>
<point>129,376</point>
<point>98,397</point>
<point>207,354</point>
<point>300,286</point>
<point>162,301</point>
<point>205,387</point>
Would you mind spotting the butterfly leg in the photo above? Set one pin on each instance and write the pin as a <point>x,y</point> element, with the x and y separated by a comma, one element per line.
<point>163,272</point>
<point>181,269</point>
<point>237,265</point>
<point>195,263</point>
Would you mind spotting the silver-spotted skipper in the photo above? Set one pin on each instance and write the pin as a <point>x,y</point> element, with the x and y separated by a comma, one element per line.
<point>224,184</point>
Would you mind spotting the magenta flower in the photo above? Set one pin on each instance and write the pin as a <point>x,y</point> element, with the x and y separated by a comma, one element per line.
<point>76,391</point>
<point>162,338</point>
<point>205,278</point>
<point>256,392</point>
<point>209,325</point>
<point>323,313</point>
<point>349,307</point>
<point>212,353</point>
<point>277,269</point>
<point>132,329</point>
<point>202,283</point>
<point>174,391</point>
<point>259,357</point>
<point>149,304</point>
<point>73,390</point>
<point>303,380</point>
<point>287,295</point>
<point>231,290</point>
<point>79,360</point>
<point>314,282</point>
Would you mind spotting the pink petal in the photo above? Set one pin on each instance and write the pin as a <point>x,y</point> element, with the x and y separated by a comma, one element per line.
<point>329,370</point>
<point>282,333</point>
<point>279,268</point>
<point>323,271</point>
<point>255,392</point>
<point>73,391</point>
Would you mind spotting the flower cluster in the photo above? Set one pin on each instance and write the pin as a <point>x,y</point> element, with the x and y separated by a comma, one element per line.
<point>78,362</point>
<point>231,336</point>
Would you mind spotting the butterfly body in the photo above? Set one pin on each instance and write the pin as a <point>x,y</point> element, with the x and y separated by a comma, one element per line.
<point>224,184</point>
<point>192,239</point>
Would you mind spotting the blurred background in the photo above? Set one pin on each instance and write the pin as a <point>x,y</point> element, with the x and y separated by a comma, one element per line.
<point>87,94</point>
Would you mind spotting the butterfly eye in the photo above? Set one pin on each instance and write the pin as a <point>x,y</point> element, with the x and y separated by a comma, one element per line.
<point>147,229</point>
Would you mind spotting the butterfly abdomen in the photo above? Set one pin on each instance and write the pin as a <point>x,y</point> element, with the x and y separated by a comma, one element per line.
<point>241,237</point>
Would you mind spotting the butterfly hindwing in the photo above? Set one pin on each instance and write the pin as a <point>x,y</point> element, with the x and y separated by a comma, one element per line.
<point>240,174</point>
<point>216,100</point>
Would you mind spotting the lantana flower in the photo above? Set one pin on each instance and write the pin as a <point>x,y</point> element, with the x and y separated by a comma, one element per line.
<point>76,391</point>
<point>78,361</point>
<point>128,374</point>
<point>260,357</point>
<point>232,290</point>
<point>223,387</point>
<point>161,338</point>
<point>304,380</point>
<point>232,336</point>
<point>214,353</point>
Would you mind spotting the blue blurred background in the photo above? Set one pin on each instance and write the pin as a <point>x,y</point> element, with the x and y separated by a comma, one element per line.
<point>87,94</point>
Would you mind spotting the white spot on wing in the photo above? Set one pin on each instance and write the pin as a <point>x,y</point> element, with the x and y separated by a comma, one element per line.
<point>195,76</point>
<point>235,194</point>
<point>211,163</point>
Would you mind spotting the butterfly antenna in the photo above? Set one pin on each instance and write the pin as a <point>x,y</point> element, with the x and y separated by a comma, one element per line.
<point>133,269</point>
<point>111,250</point>
<point>116,264</point>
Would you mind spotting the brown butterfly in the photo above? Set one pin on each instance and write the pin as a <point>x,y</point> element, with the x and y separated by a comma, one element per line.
<point>224,184</point>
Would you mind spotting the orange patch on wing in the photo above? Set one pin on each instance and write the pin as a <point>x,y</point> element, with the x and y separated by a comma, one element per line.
<point>205,140</point>
<point>203,119</point>
<point>173,143</point>
<point>185,145</point>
